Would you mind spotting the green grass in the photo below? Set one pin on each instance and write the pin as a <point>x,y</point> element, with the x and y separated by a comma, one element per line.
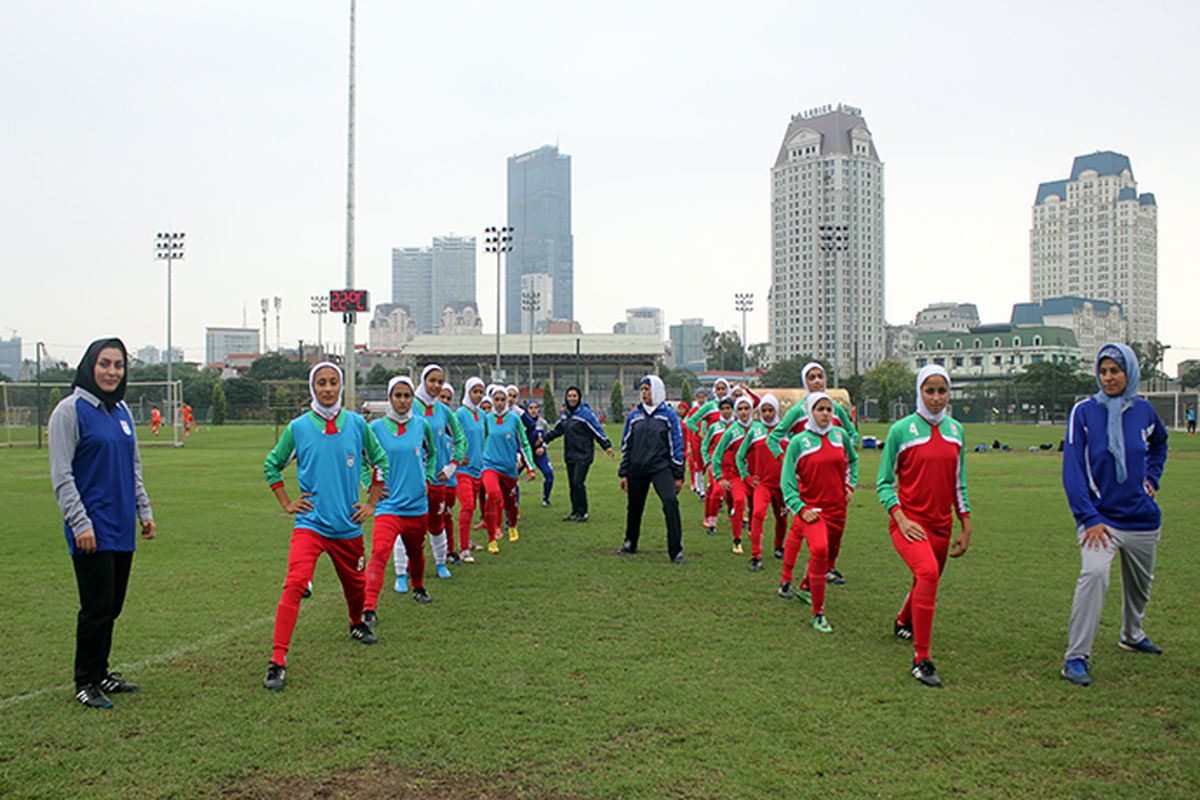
<point>559,667</point>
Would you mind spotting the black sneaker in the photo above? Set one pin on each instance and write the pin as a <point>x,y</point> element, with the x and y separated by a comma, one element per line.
<point>363,633</point>
<point>924,672</point>
<point>369,618</point>
<point>628,548</point>
<point>834,577</point>
<point>545,504</point>
<point>779,552</point>
<point>422,596</point>
<point>678,558</point>
<point>452,558</point>
<point>755,564</point>
<point>582,517</point>
<point>92,696</point>
<point>275,675</point>
<point>572,517</point>
<point>902,631</point>
<point>785,590</point>
<point>112,684</point>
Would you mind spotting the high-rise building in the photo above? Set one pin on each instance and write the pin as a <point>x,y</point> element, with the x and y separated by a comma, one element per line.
<point>947,317</point>
<point>148,354</point>
<point>539,208</point>
<point>687,343</point>
<point>826,297</point>
<point>1094,236</point>
<point>427,279</point>
<point>220,343</point>
<point>10,358</point>
<point>644,319</point>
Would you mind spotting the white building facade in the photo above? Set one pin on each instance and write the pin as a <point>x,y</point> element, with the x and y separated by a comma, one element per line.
<point>1095,236</point>
<point>220,343</point>
<point>541,285</point>
<point>827,279</point>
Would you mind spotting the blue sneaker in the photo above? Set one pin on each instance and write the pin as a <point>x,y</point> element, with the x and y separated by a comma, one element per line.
<point>401,586</point>
<point>1076,671</point>
<point>443,571</point>
<point>1144,646</point>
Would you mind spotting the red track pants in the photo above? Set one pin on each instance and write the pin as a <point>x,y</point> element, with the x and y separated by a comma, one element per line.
<point>441,502</point>
<point>765,497</point>
<point>306,547</point>
<point>465,491</point>
<point>411,531</point>
<point>926,559</point>
<point>816,534</point>
<point>500,489</point>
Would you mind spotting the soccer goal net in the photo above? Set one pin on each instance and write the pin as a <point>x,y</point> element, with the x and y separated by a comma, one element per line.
<point>26,409</point>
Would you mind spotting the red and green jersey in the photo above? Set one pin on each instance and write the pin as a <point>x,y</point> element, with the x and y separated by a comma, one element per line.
<point>818,469</point>
<point>921,470</point>
<point>754,458</point>
<point>724,457</point>
<point>793,423</point>
<point>712,435</point>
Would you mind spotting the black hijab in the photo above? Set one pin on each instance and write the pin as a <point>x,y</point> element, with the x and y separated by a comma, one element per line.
<point>85,373</point>
<point>567,405</point>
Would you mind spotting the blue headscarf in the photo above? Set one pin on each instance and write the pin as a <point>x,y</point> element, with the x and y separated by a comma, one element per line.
<point>1127,361</point>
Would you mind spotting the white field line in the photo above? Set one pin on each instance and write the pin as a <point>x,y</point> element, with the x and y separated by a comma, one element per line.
<point>151,661</point>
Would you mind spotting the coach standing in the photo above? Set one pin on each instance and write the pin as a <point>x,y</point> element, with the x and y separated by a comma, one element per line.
<point>652,454</point>
<point>97,474</point>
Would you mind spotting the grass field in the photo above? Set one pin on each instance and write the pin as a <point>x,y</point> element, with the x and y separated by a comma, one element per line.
<point>559,669</point>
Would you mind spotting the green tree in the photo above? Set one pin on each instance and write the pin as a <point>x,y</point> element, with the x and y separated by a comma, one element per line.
<point>218,405</point>
<point>888,382</point>
<point>55,397</point>
<point>275,367</point>
<point>756,355</point>
<point>785,374</point>
<point>242,394</point>
<point>1052,385</point>
<point>380,374</point>
<point>549,401</point>
<point>685,391</point>
<point>1191,378</point>
<point>723,351</point>
<point>616,403</point>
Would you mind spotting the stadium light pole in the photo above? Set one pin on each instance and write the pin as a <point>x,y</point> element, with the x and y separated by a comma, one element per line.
<point>531,301</point>
<point>320,304</point>
<point>743,302</point>
<point>38,348</point>
<point>169,247</point>
<point>833,240</point>
<point>498,241</point>
<point>349,318</point>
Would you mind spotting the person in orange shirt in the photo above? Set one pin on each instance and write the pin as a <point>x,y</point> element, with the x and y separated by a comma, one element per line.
<point>155,420</point>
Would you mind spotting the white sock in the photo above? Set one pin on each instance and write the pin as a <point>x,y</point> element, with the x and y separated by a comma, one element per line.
<point>400,557</point>
<point>439,548</point>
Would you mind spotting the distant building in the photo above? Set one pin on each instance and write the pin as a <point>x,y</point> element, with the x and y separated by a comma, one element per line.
<point>427,279</point>
<point>644,320</point>
<point>1095,322</point>
<point>10,358</point>
<point>827,265</point>
<point>542,285</point>
<point>1185,366</point>
<point>563,326</point>
<point>687,343</point>
<point>947,317</point>
<point>391,327</point>
<point>899,341</point>
<point>1094,235</point>
<point>539,208</point>
<point>993,352</point>
<point>220,343</point>
<point>148,354</point>
<point>460,318</point>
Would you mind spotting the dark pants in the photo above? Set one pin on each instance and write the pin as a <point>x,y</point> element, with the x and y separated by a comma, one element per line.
<point>102,579</point>
<point>542,462</point>
<point>664,485</point>
<point>577,472</point>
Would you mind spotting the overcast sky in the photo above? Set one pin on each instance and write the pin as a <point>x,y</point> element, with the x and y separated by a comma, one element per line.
<point>227,119</point>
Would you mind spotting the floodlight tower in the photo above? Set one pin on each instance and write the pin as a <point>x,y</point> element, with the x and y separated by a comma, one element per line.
<point>531,301</point>
<point>498,241</point>
<point>169,247</point>
<point>743,302</point>
<point>320,304</point>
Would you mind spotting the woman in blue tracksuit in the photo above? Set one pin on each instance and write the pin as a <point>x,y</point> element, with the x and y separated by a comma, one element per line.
<point>652,455</point>
<point>580,429</point>
<point>1112,463</point>
<point>535,425</point>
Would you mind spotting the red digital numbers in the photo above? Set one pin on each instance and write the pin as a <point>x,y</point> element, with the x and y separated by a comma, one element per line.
<point>349,300</point>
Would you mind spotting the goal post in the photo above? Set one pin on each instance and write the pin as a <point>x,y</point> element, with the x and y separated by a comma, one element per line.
<point>22,403</point>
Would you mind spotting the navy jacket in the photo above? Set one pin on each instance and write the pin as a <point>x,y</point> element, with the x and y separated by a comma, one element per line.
<point>1089,475</point>
<point>652,442</point>
<point>580,431</point>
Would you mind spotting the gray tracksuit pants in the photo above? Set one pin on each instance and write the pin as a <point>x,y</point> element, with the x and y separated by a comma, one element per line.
<point>1137,550</point>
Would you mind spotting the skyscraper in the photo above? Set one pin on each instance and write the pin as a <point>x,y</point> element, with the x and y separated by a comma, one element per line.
<point>539,208</point>
<point>1095,237</point>
<point>427,279</point>
<point>826,296</point>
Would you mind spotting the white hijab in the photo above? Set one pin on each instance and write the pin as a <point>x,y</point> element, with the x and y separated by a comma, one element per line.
<point>927,372</point>
<point>658,392</point>
<point>717,383</point>
<point>743,399</point>
<point>769,399</point>
<point>809,367</point>
<point>393,414</point>
<point>494,390</point>
<point>422,393</point>
<point>471,383</point>
<point>325,412</point>
<point>810,424</point>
